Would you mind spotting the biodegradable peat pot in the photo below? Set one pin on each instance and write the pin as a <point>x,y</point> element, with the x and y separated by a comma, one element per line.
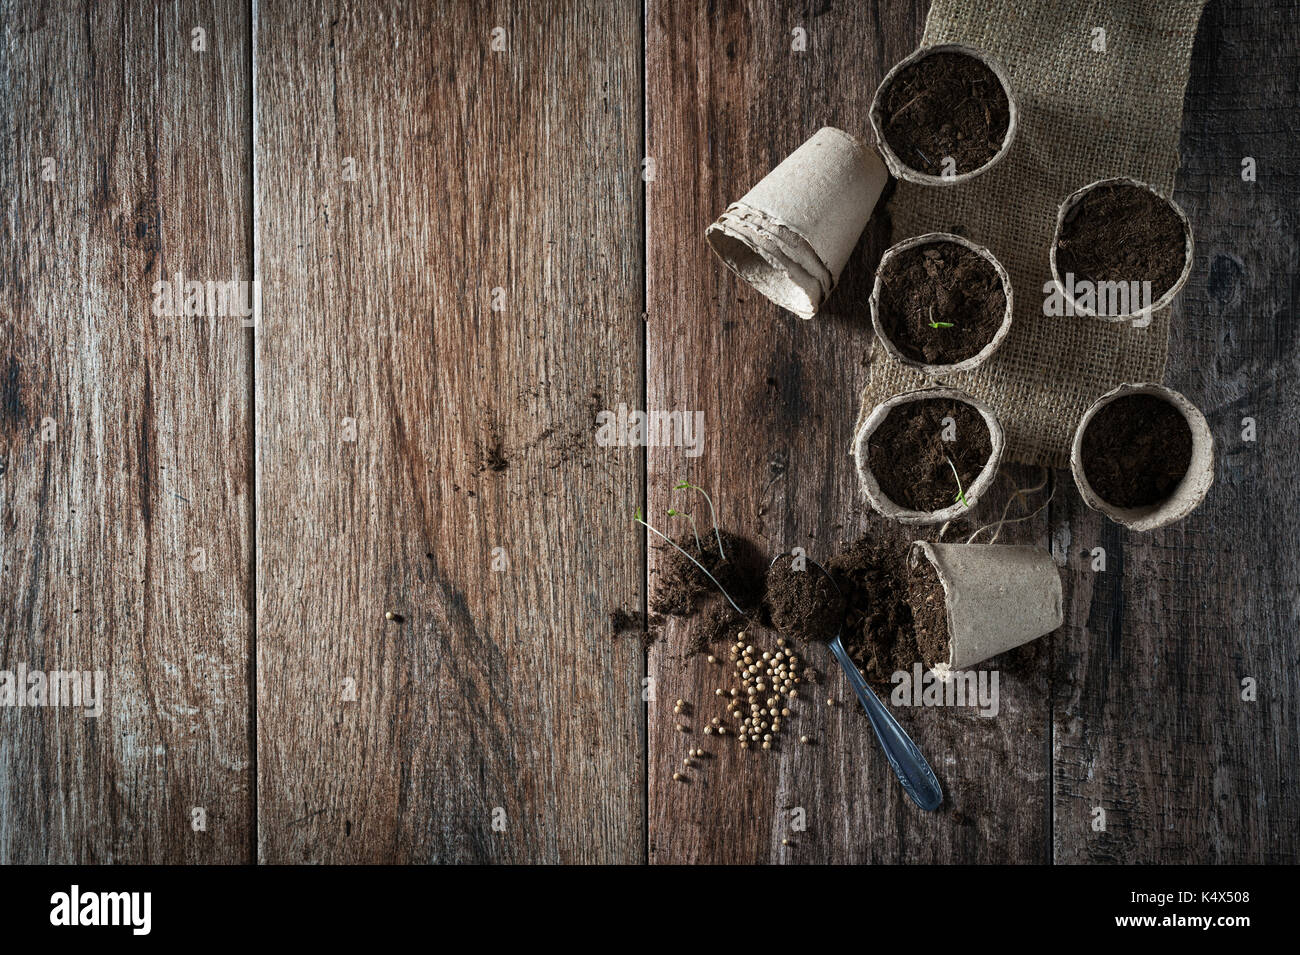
<point>791,234</point>
<point>905,335</point>
<point>1110,219</point>
<point>995,598</point>
<point>901,108</point>
<point>881,420</point>
<point>1155,460</point>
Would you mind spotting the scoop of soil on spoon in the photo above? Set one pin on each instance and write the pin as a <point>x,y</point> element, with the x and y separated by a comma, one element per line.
<point>945,105</point>
<point>913,463</point>
<point>940,303</point>
<point>1135,450</point>
<point>803,603</point>
<point>1119,232</point>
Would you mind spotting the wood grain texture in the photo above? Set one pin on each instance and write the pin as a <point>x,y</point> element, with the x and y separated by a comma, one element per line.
<point>1150,724</point>
<point>495,689</point>
<point>727,100</point>
<point>124,436</point>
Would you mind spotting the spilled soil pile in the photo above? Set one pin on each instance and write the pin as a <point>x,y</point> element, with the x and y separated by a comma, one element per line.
<point>929,612</point>
<point>878,628</point>
<point>683,586</point>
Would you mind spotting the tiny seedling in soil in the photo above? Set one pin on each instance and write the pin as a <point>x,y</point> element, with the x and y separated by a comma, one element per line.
<point>961,493</point>
<point>688,486</point>
<point>940,303</point>
<point>913,464</point>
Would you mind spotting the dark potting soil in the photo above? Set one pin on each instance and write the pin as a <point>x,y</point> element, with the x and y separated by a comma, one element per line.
<point>910,459</point>
<point>945,105</point>
<point>803,604</point>
<point>719,624</point>
<point>1136,449</point>
<point>1123,233</point>
<point>878,629</point>
<point>649,626</point>
<point>682,586</point>
<point>940,303</point>
<point>929,612</point>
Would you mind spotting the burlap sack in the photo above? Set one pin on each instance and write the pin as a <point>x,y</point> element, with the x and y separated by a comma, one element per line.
<point>1084,115</point>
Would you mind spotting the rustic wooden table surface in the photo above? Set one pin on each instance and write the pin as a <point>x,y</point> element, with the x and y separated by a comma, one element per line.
<point>461,261</point>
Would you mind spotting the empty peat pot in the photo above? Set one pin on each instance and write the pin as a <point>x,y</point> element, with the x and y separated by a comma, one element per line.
<point>1143,456</point>
<point>790,235</point>
<point>944,115</point>
<point>1121,250</point>
<point>973,601</point>
<point>925,457</point>
<point>941,303</point>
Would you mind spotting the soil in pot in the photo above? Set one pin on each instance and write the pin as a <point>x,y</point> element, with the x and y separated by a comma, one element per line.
<point>940,303</point>
<point>1135,450</point>
<point>682,587</point>
<point>945,105</point>
<point>1120,232</point>
<point>929,607</point>
<point>803,604</point>
<point>913,463</point>
<point>878,629</point>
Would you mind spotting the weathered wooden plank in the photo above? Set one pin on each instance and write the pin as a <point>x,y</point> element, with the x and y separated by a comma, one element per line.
<point>727,98</point>
<point>1150,721</point>
<point>482,178</point>
<point>125,460</point>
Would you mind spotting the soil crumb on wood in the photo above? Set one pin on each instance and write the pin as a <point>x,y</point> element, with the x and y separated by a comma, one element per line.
<point>803,603</point>
<point>682,585</point>
<point>910,458</point>
<point>1123,233</point>
<point>929,613</point>
<point>940,303</point>
<point>945,105</point>
<point>717,625</point>
<point>878,628</point>
<point>1136,449</point>
<point>649,626</point>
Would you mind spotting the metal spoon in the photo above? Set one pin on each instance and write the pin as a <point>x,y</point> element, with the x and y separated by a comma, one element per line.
<point>909,765</point>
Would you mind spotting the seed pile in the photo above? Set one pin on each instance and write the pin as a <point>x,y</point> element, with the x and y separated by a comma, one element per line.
<point>758,700</point>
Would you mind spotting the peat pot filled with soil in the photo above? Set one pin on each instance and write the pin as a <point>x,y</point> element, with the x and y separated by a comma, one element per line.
<point>925,457</point>
<point>1121,250</point>
<point>1143,456</point>
<point>944,115</point>
<point>941,303</point>
<point>970,602</point>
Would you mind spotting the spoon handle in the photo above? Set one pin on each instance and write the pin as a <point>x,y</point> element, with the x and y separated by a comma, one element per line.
<point>909,765</point>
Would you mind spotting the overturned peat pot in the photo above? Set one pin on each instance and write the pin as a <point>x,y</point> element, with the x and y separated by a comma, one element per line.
<point>1143,456</point>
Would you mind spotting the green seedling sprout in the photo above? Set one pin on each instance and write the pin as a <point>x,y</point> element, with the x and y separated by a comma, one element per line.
<point>673,512</point>
<point>642,521</point>
<point>687,485</point>
<point>934,324</point>
<point>961,494</point>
